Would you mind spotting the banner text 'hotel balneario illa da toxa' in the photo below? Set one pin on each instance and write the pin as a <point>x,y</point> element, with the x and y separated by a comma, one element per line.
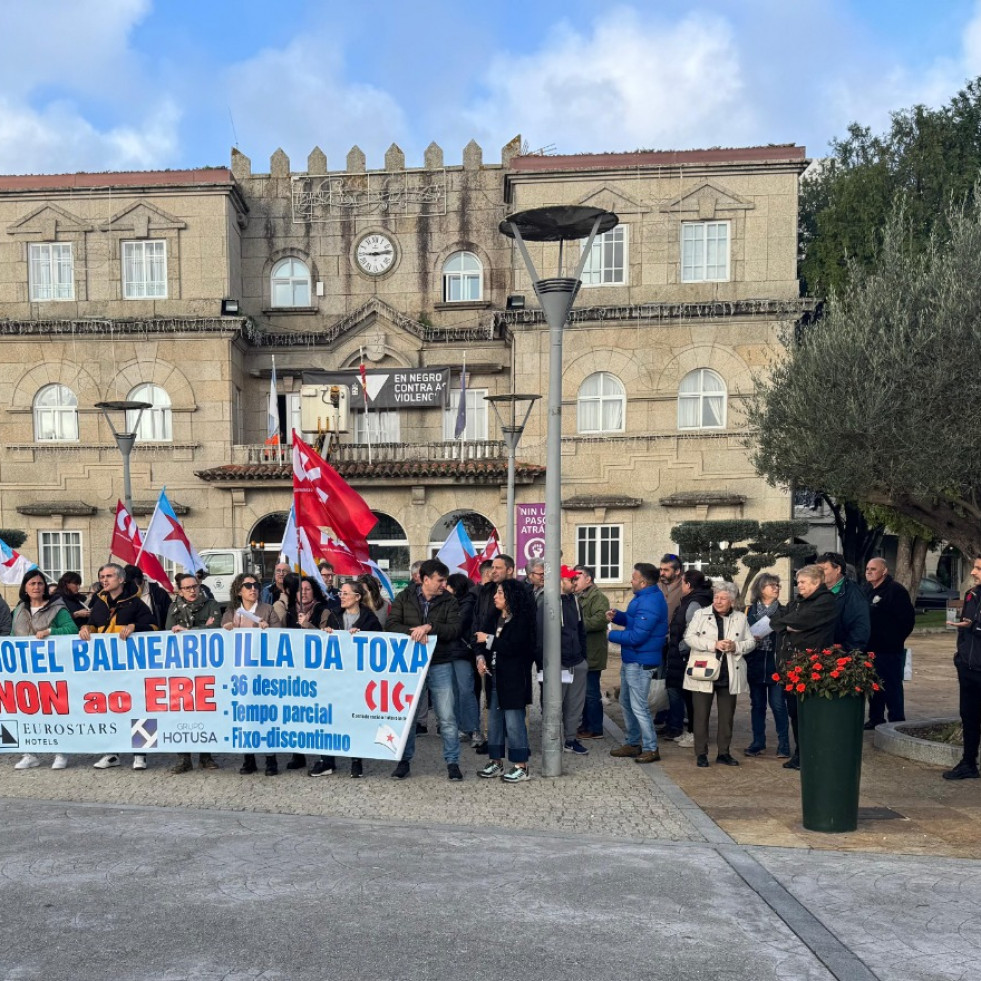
<point>218,691</point>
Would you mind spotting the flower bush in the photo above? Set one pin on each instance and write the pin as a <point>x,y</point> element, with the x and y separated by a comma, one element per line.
<point>831,673</point>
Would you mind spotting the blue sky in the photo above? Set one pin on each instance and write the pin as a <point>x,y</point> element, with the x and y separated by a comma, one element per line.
<point>148,84</point>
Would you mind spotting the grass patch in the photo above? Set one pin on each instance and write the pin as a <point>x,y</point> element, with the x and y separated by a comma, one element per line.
<point>931,619</point>
<point>951,733</point>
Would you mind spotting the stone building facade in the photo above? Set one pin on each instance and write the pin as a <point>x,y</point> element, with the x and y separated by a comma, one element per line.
<point>117,286</point>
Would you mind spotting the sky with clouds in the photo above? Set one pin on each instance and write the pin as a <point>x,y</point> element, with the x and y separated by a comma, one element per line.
<point>151,84</point>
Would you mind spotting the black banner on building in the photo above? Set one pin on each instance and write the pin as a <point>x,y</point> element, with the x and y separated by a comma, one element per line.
<point>390,388</point>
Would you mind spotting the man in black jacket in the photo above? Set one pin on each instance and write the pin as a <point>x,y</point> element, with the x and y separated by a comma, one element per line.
<point>422,611</point>
<point>892,619</point>
<point>852,626</point>
<point>967,660</point>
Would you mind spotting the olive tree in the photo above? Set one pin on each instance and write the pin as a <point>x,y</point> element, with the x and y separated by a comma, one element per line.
<point>880,400</point>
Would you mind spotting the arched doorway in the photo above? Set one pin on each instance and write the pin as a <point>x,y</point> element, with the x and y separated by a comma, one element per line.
<point>479,528</point>
<point>266,537</point>
<point>388,545</point>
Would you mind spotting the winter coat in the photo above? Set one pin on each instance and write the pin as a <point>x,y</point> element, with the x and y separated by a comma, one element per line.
<point>444,618</point>
<point>852,627</point>
<point>703,634</point>
<point>806,624</point>
<point>676,649</point>
<point>761,664</point>
<point>6,618</point>
<point>262,610</point>
<point>53,616</point>
<point>509,657</point>
<point>573,640</point>
<point>366,620</point>
<point>646,623</point>
<point>462,647</point>
<point>110,615</point>
<point>891,615</point>
<point>673,595</point>
<point>594,603</point>
<point>968,656</point>
<point>194,615</point>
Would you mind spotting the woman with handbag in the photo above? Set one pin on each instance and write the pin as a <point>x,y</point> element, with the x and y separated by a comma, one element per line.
<point>719,639</point>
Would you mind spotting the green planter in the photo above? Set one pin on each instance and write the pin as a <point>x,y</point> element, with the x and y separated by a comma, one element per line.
<point>831,761</point>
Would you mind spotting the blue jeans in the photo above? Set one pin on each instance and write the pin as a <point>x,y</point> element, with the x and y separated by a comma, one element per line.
<point>592,712</point>
<point>510,722</point>
<point>465,701</point>
<point>440,685</point>
<point>635,686</point>
<point>759,695</point>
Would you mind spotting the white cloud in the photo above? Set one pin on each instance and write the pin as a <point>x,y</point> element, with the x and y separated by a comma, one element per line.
<point>624,83</point>
<point>296,98</point>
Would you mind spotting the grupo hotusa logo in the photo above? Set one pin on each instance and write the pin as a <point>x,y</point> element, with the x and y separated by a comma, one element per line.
<point>144,733</point>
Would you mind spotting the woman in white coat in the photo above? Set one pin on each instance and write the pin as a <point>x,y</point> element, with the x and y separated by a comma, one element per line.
<point>719,631</point>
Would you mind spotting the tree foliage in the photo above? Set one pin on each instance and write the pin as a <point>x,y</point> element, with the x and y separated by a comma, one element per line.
<point>928,158</point>
<point>13,537</point>
<point>720,546</point>
<point>878,401</point>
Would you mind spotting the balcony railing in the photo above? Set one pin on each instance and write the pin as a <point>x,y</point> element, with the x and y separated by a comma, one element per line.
<point>482,449</point>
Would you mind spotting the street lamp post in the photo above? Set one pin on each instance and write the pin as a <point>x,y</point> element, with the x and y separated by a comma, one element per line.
<point>556,296</point>
<point>513,407</point>
<point>126,439</point>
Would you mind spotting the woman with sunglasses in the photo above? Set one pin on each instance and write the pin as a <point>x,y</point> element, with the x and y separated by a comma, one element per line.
<point>354,617</point>
<point>245,612</point>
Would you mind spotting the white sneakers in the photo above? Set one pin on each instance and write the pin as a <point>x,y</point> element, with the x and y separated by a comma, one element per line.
<point>60,762</point>
<point>26,762</point>
<point>110,759</point>
<point>139,762</point>
<point>685,739</point>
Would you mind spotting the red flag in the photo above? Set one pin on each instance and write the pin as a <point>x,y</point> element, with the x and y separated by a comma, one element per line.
<point>364,381</point>
<point>491,550</point>
<point>321,545</point>
<point>319,491</point>
<point>126,544</point>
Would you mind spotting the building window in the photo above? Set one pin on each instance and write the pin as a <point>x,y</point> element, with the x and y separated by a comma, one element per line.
<point>144,270</point>
<point>56,414</point>
<point>291,284</point>
<point>705,251</point>
<point>600,546</point>
<point>607,262</point>
<point>476,415</point>
<point>52,271</point>
<point>702,400</point>
<point>601,406</point>
<point>382,426</point>
<point>155,423</point>
<point>463,278</point>
<point>59,552</point>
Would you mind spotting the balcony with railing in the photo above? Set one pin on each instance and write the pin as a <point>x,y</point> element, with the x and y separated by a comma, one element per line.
<point>437,452</point>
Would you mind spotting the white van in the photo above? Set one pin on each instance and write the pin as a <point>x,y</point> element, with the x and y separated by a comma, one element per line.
<point>224,564</point>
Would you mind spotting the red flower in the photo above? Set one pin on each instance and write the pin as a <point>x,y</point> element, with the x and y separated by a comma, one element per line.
<point>868,664</point>
<point>788,687</point>
<point>871,656</point>
<point>815,677</point>
<point>875,687</point>
<point>842,661</point>
<point>857,688</point>
<point>814,657</point>
<point>776,677</point>
<point>801,687</point>
<point>835,674</point>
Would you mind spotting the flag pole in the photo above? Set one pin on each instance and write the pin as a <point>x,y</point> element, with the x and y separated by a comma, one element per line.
<point>152,516</point>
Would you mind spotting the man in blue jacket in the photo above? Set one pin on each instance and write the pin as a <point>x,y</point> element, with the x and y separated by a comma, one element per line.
<point>641,646</point>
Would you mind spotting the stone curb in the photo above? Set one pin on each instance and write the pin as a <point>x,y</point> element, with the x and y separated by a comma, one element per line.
<point>890,738</point>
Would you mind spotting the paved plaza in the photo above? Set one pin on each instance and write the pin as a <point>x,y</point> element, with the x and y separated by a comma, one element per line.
<point>613,871</point>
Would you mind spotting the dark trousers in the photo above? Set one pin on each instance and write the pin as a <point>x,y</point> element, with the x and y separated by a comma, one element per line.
<point>889,668</point>
<point>592,715</point>
<point>792,700</point>
<point>969,683</point>
<point>702,701</point>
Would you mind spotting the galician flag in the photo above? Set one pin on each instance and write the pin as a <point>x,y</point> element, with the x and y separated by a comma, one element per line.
<point>13,565</point>
<point>127,544</point>
<point>458,552</point>
<point>166,538</point>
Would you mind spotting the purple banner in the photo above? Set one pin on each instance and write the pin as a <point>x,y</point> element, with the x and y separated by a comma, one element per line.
<point>529,526</point>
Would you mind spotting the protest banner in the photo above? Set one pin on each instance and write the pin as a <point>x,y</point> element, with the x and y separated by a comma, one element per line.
<point>218,691</point>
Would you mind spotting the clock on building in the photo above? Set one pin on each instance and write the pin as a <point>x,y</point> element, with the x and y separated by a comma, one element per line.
<point>375,254</point>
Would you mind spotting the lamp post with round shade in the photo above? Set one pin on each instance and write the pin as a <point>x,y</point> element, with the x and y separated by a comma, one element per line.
<point>556,295</point>
<point>125,439</point>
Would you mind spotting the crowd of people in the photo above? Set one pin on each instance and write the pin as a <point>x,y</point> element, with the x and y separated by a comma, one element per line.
<point>679,628</point>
